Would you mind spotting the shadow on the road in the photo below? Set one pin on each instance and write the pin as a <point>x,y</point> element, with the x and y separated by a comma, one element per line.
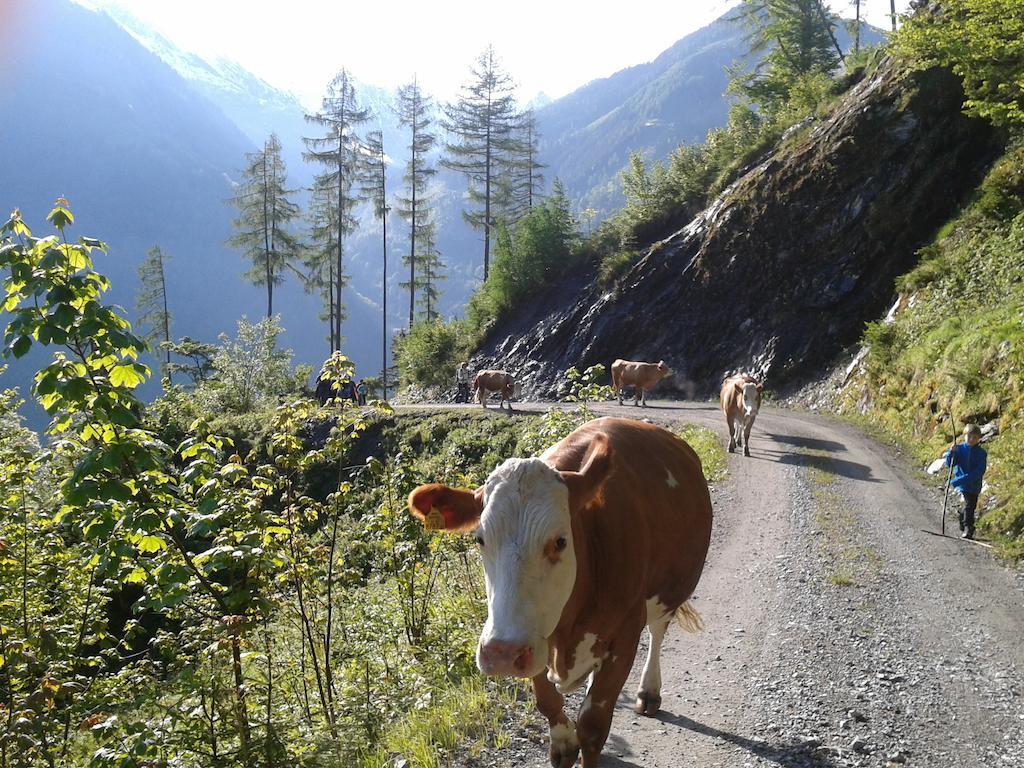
<point>829,465</point>
<point>806,442</point>
<point>788,755</point>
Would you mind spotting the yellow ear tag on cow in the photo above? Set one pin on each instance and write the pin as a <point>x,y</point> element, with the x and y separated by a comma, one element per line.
<point>434,521</point>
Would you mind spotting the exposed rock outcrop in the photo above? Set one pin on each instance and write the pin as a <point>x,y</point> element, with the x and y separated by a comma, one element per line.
<point>779,274</point>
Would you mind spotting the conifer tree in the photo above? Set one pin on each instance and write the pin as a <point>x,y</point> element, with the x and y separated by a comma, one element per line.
<point>321,260</point>
<point>264,212</point>
<point>799,38</point>
<point>154,317</point>
<point>339,152</point>
<point>431,271</point>
<point>376,191</point>
<point>521,188</point>
<point>415,112</point>
<point>482,123</point>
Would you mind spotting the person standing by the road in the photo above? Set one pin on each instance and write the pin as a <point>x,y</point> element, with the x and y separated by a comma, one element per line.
<point>462,383</point>
<point>361,390</point>
<point>969,461</point>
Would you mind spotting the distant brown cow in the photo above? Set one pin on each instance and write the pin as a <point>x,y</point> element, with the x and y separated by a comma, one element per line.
<point>494,381</point>
<point>604,533</point>
<point>641,376</point>
<point>741,399</point>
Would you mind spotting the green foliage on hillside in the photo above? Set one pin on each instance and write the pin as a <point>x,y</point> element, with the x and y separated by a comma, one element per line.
<point>983,42</point>
<point>957,346</point>
<point>173,596</point>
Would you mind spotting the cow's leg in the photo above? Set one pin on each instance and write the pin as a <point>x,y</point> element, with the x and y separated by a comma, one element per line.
<point>748,425</point>
<point>648,697</point>
<point>643,397</point>
<point>636,395</point>
<point>732,432</point>
<point>595,718</point>
<point>739,432</point>
<point>565,747</point>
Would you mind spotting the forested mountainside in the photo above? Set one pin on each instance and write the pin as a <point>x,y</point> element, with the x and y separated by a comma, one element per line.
<point>779,274</point>
<point>652,108</point>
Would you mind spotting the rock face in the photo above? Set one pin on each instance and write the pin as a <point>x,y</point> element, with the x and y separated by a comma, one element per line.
<point>780,272</point>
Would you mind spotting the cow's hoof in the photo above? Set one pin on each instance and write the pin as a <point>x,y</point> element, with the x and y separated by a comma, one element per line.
<point>732,449</point>
<point>746,451</point>
<point>648,703</point>
<point>563,756</point>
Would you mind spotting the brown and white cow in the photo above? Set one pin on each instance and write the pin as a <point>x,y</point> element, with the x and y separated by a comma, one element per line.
<point>604,533</point>
<point>741,400</point>
<point>641,376</point>
<point>494,381</point>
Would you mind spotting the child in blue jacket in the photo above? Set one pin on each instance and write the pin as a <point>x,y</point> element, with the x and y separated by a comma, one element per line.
<point>969,461</point>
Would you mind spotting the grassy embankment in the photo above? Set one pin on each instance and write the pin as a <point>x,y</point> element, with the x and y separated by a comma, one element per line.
<point>954,352</point>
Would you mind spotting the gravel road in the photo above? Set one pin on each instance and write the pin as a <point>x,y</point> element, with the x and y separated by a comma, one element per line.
<point>840,629</point>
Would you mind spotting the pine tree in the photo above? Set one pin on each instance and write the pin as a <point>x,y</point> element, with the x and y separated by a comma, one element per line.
<point>264,214</point>
<point>799,38</point>
<point>415,112</point>
<point>376,191</point>
<point>482,122</point>
<point>339,151</point>
<point>154,318</point>
<point>521,188</point>
<point>321,260</point>
<point>431,271</point>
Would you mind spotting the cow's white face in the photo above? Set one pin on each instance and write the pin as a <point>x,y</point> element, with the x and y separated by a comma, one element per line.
<point>525,539</point>
<point>750,399</point>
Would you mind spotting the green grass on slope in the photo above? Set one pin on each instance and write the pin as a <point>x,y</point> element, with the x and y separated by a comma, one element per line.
<point>957,347</point>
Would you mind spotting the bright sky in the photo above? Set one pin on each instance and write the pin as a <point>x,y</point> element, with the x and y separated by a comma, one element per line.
<point>553,46</point>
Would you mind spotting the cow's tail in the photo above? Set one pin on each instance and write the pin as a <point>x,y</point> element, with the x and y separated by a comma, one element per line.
<point>476,380</point>
<point>688,618</point>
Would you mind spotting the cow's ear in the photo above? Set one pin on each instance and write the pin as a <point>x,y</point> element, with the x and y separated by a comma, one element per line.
<point>442,508</point>
<point>586,483</point>
<point>759,387</point>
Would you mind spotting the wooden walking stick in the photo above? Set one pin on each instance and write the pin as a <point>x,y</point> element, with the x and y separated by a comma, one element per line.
<point>949,475</point>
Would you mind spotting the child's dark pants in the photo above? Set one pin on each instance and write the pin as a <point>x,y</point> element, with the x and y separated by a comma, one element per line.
<point>967,512</point>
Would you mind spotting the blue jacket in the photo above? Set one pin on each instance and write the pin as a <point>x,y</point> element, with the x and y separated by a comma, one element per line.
<point>969,467</point>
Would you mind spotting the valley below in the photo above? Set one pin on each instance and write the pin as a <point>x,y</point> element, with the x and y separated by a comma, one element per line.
<point>840,629</point>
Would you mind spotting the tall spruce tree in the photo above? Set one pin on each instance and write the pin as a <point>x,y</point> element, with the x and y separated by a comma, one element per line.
<point>799,38</point>
<point>339,152</point>
<point>415,112</point>
<point>482,121</point>
<point>153,315</point>
<point>522,187</point>
<point>264,212</point>
<point>321,260</point>
<point>375,189</point>
<point>431,272</point>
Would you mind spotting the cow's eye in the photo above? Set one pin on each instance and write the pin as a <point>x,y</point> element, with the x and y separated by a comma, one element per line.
<point>560,543</point>
<point>480,541</point>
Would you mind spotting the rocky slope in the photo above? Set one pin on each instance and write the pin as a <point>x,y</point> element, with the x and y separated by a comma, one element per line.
<point>782,270</point>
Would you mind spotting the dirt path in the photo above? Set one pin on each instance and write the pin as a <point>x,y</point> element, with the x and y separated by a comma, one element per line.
<point>838,632</point>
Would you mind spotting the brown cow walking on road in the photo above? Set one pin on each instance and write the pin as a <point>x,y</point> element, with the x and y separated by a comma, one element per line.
<point>642,376</point>
<point>494,381</point>
<point>604,533</point>
<point>741,399</point>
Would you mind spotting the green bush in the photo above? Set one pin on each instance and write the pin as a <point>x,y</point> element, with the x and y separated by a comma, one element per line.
<point>428,354</point>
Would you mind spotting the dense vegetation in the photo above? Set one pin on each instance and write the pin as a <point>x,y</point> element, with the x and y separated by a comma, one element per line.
<point>954,352</point>
<point>228,576</point>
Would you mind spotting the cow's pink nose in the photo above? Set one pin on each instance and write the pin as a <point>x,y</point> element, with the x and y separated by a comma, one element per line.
<point>505,659</point>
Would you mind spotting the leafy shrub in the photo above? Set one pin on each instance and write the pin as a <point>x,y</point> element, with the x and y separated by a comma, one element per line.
<point>614,266</point>
<point>428,354</point>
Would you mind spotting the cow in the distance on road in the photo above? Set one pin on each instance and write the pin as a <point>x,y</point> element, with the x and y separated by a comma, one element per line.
<point>741,400</point>
<point>494,381</point>
<point>604,533</point>
<point>641,376</point>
